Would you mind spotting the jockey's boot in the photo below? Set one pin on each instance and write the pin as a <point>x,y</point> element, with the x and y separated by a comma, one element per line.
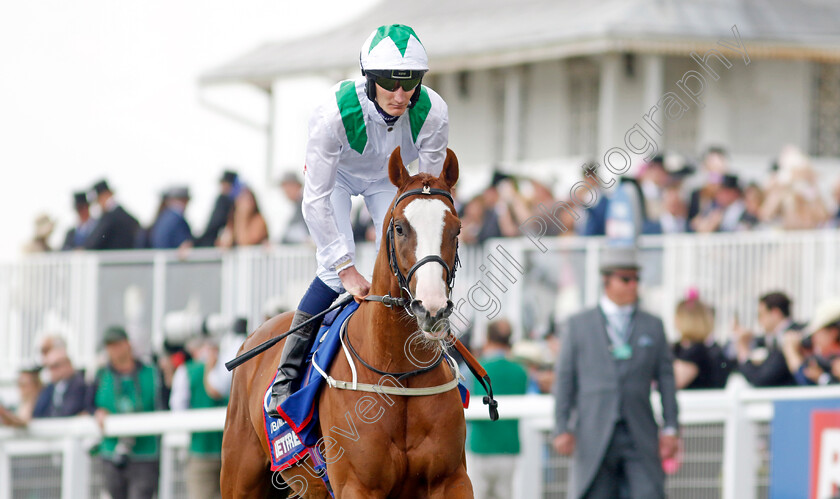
<point>295,349</point>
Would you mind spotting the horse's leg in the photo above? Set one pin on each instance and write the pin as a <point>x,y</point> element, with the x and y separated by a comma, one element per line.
<point>457,486</point>
<point>355,490</point>
<point>245,472</point>
<point>303,481</point>
<point>245,467</point>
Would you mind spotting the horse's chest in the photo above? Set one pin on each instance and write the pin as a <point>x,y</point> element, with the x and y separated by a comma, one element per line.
<point>411,441</point>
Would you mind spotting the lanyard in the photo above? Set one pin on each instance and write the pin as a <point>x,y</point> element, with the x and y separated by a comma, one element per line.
<point>618,338</point>
<point>137,400</point>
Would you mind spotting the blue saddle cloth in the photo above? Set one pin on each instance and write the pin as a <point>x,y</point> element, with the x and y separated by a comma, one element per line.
<point>295,436</point>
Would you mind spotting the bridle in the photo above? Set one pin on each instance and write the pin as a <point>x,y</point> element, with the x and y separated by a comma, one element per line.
<point>393,262</point>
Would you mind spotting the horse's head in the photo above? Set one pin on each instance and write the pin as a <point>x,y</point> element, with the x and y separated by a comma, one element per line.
<point>421,239</point>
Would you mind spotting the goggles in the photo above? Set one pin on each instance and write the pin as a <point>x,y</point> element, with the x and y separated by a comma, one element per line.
<point>391,84</point>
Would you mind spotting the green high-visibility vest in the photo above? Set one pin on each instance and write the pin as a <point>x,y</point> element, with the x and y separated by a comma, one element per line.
<point>128,393</point>
<point>208,443</point>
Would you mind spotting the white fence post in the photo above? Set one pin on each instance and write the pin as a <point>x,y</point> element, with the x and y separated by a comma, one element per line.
<point>158,301</point>
<point>75,469</point>
<point>739,448</point>
<point>166,489</point>
<point>5,475</point>
<point>529,478</point>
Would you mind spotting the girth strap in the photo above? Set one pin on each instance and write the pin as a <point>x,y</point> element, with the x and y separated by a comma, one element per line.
<point>391,390</point>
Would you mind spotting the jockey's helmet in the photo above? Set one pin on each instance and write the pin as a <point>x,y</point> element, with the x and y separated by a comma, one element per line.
<point>393,56</point>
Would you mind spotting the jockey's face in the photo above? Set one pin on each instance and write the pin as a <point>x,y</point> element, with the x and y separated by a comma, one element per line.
<point>394,103</point>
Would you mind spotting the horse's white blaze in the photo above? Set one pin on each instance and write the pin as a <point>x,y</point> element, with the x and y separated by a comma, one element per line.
<point>426,218</point>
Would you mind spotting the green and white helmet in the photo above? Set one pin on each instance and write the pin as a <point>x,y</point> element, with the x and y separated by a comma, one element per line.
<point>394,47</point>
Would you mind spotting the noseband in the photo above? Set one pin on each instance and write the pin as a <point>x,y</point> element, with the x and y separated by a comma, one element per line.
<point>404,280</point>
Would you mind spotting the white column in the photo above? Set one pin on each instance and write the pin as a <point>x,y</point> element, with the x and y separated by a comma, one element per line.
<point>714,118</point>
<point>269,135</point>
<point>512,115</point>
<point>653,74</point>
<point>607,103</point>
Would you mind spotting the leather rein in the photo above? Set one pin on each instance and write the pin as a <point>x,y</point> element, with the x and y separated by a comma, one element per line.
<point>404,280</point>
<point>405,303</point>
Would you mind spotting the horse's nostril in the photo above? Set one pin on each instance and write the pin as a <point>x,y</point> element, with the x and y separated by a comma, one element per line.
<point>445,312</point>
<point>418,309</point>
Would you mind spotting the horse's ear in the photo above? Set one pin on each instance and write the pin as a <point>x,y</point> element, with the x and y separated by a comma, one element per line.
<point>449,173</point>
<point>396,170</point>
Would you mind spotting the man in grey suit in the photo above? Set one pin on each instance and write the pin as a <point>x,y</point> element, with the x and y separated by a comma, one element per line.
<point>609,357</point>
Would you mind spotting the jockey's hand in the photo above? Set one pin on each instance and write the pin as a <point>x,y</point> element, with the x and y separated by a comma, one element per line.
<point>354,282</point>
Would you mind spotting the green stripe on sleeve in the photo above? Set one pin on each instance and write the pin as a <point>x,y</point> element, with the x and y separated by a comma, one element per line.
<point>352,116</point>
<point>417,114</point>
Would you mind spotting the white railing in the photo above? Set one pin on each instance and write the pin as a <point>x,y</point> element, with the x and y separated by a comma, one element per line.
<point>722,432</point>
<point>80,294</point>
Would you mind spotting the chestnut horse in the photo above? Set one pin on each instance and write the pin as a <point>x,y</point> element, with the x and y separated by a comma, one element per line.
<point>375,445</point>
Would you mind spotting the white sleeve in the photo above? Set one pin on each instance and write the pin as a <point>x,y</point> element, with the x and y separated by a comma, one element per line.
<point>433,146</point>
<point>179,397</point>
<point>322,154</point>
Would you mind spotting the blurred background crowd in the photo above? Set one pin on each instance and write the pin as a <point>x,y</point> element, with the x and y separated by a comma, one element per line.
<point>679,195</point>
<point>784,351</point>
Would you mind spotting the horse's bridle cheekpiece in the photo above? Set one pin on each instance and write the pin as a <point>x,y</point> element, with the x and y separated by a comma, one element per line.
<point>390,301</point>
<point>404,280</point>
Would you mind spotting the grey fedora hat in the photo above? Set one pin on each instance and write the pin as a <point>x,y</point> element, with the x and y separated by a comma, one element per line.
<point>619,257</point>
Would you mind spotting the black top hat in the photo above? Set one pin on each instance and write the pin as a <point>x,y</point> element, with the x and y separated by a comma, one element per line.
<point>730,182</point>
<point>101,186</point>
<point>80,199</point>
<point>177,192</point>
<point>228,176</point>
<point>498,177</point>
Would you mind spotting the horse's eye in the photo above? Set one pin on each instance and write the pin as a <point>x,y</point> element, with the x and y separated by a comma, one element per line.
<point>399,229</point>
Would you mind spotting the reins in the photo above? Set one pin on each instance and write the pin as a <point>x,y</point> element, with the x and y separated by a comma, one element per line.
<point>390,301</point>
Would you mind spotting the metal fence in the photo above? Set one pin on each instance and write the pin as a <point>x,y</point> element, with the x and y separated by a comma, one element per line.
<point>725,433</point>
<point>77,295</point>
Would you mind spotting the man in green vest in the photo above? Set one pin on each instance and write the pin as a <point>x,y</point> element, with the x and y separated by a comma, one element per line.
<point>126,385</point>
<point>352,134</point>
<point>495,444</point>
<point>191,390</point>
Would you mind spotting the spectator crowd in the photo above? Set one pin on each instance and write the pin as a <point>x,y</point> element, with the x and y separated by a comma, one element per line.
<point>103,223</point>
<point>188,376</point>
<point>675,197</point>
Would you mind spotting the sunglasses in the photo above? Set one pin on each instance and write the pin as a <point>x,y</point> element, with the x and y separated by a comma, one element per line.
<point>391,84</point>
<point>627,279</point>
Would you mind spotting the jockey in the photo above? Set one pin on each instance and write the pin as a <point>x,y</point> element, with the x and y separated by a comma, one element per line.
<point>351,136</point>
